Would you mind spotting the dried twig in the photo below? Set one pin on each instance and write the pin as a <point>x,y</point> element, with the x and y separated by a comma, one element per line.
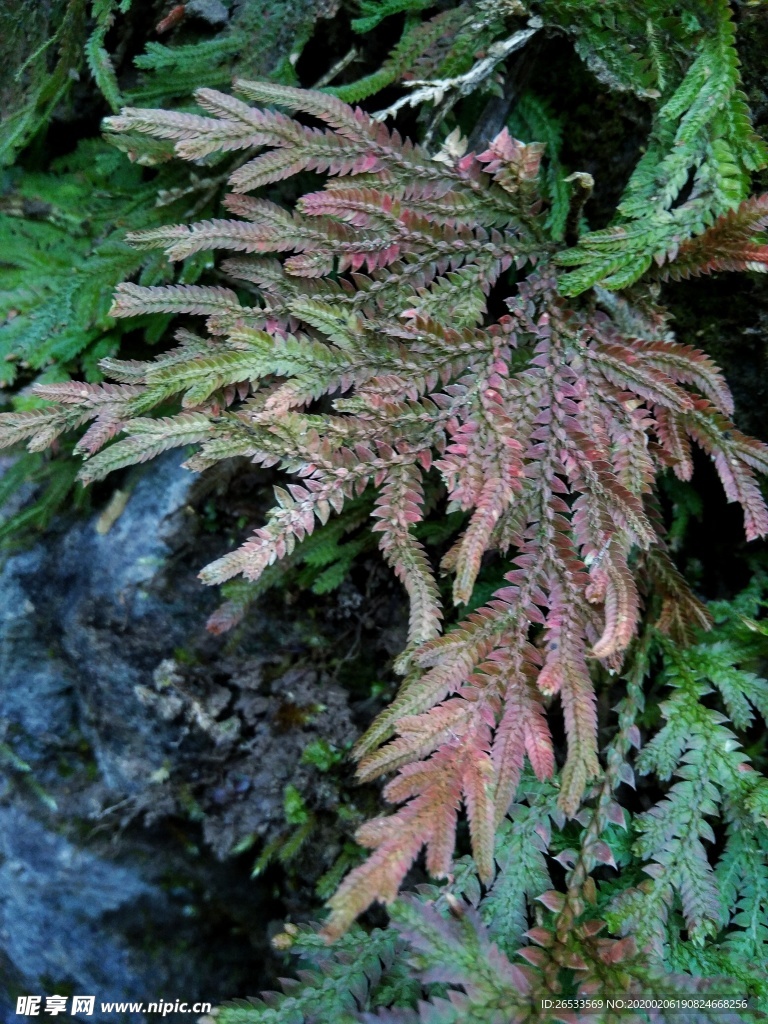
<point>445,92</point>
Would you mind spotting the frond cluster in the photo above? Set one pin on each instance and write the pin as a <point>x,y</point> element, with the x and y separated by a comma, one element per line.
<point>702,149</point>
<point>358,363</point>
<point>504,953</point>
<point>62,226</point>
<point>51,316</point>
<point>706,913</point>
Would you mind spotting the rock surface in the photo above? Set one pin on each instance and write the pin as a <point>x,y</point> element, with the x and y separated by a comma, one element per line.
<point>83,619</point>
<point>108,886</point>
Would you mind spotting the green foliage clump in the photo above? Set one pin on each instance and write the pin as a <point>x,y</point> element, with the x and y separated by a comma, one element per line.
<point>682,929</point>
<point>63,221</point>
<point>60,267</point>
<point>702,148</point>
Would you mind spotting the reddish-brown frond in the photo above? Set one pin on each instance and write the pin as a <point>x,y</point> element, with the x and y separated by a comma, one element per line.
<point>75,392</point>
<point>727,245</point>
<point>349,123</point>
<point>687,365</point>
<point>523,727</point>
<point>460,770</point>
<point>577,696</point>
<point>621,606</point>
<point>289,522</point>
<point>681,614</point>
<point>106,426</point>
<point>465,562</point>
<point>622,367</point>
<point>675,443</point>
<point>398,508</point>
<point>420,734</point>
<point>734,456</point>
<point>39,427</point>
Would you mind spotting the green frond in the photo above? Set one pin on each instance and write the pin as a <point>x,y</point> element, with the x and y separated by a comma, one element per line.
<point>99,62</point>
<point>701,135</point>
<point>522,875</point>
<point>415,41</point>
<point>134,299</point>
<point>357,973</point>
<point>147,439</point>
<point>373,12</point>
